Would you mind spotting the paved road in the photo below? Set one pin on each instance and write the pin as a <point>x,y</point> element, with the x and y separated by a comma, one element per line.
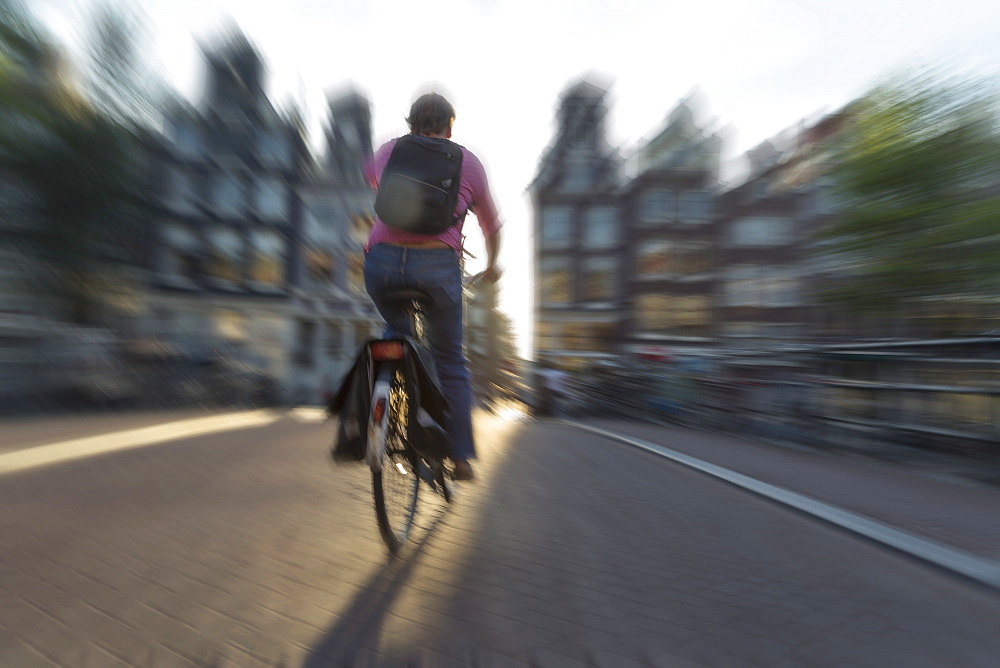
<point>246,548</point>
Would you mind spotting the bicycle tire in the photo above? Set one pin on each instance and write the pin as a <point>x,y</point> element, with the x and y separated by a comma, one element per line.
<point>397,486</point>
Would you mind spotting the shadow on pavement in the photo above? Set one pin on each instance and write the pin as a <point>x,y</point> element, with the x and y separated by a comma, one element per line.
<point>357,632</point>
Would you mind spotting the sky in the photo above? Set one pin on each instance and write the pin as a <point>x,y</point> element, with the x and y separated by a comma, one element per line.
<point>758,67</point>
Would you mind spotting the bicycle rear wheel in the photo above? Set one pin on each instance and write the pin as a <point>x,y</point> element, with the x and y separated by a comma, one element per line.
<point>396,487</point>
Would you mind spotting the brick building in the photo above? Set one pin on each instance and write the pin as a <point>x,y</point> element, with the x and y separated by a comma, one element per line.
<point>252,245</point>
<point>579,249</point>
<point>623,246</point>
<point>647,255</point>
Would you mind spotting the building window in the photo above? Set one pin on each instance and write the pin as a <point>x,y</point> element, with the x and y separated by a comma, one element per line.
<point>334,340</point>
<point>692,315</point>
<point>681,315</point>
<point>761,231</point>
<point>179,251</point>
<point>319,266</point>
<point>271,200</point>
<point>769,331</point>
<point>226,257</point>
<point>693,258</point>
<point>583,337</point>
<point>602,337</point>
<point>652,313</point>
<point>780,288</point>
<point>578,336</point>
<point>742,286</point>
<point>695,206</point>
<point>182,191</point>
<point>305,343</point>
<point>274,149</point>
<point>655,259</point>
<point>600,227</point>
<point>599,279</point>
<point>762,286</point>
<point>557,227</point>
<point>548,336</point>
<point>268,263</point>
<point>270,334</point>
<point>229,194</point>
<point>657,206</point>
<point>556,283</point>
<point>231,325</point>
<point>743,329</point>
<point>315,231</point>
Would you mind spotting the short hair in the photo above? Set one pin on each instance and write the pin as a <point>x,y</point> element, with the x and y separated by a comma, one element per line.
<point>430,114</point>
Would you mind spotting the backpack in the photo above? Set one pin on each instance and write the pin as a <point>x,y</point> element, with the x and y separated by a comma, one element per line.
<point>418,190</point>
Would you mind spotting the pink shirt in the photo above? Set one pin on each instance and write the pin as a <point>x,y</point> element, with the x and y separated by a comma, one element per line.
<point>473,195</point>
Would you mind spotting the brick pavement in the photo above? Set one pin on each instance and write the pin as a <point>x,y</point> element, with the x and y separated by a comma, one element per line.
<point>24,432</point>
<point>248,549</point>
<point>578,554</point>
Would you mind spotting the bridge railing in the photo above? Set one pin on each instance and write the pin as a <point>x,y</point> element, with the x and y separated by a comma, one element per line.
<point>824,410</point>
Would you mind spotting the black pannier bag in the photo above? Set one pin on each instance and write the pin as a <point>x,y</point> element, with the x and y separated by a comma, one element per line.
<point>418,189</point>
<point>352,402</point>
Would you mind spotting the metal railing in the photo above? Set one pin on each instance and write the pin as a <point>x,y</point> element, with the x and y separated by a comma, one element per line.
<point>821,410</point>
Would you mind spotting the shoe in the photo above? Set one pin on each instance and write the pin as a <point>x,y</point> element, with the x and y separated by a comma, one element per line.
<point>463,471</point>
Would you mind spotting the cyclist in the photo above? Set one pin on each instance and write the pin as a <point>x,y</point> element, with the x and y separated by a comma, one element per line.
<point>396,259</point>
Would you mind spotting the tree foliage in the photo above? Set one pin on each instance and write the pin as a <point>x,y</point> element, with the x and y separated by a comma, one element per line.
<point>75,169</point>
<point>119,85</point>
<point>917,175</point>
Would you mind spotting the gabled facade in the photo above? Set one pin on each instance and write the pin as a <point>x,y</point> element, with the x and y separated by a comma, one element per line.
<point>671,269</point>
<point>770,246</point>
<point>623,249</point>
<point>650,257</point>
<point>331,310</point>
<point>249,247</point>
<point>762,232</point>
<point>578,235</point>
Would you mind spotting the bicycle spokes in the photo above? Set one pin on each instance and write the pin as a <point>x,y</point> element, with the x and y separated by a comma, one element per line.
<point>378,426</point>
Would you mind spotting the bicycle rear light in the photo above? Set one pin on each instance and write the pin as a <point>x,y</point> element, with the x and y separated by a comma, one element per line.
<point>378,410</point>
<point>387,350</point>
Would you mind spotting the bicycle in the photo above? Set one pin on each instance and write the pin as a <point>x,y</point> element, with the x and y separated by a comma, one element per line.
<point>397,467</point>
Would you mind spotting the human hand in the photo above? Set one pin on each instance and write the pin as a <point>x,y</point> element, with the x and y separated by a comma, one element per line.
<point>492,274</point>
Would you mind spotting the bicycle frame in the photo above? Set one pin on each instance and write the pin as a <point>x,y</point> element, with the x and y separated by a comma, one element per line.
<point>397,468</point>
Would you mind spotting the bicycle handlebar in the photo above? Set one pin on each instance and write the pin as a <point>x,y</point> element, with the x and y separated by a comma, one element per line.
<point>469,281</point>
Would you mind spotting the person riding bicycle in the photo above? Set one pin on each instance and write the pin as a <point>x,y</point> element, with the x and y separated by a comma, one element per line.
<point>396,259</point>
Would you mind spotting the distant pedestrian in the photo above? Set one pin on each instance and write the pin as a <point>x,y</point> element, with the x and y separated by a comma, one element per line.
<point>553,388</point>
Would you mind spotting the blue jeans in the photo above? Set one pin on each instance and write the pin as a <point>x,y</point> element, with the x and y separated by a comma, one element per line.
<point>437,272</point>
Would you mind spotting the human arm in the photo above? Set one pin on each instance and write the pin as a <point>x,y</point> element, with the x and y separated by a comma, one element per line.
<point>485,209</point>
<point>492,272</point>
